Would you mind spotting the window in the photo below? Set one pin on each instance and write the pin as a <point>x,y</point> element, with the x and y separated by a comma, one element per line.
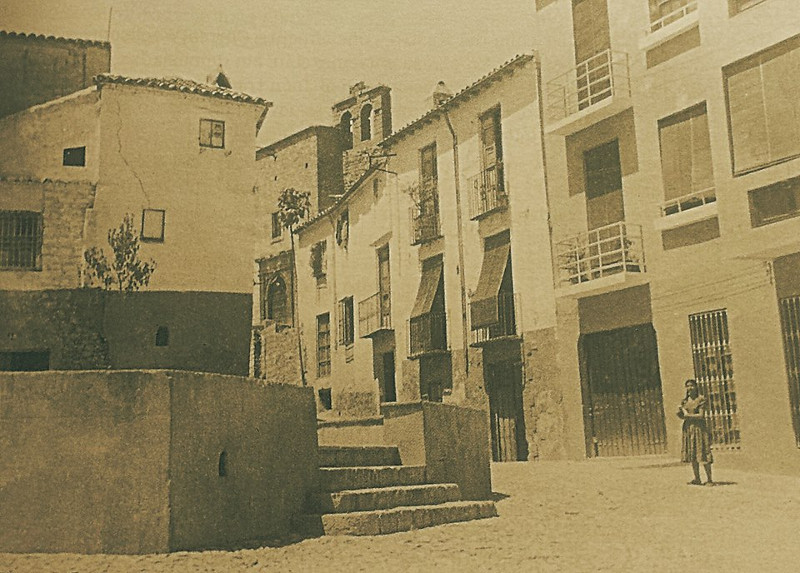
<point>713,370</point>
<point>323,345</point>
<point>277,303</point>
<point>366,123</point>
<point>736,6</point>
<point>75,156</point>
<point>346,327</point>
<point>664,12</point>
<point>29,361</point>
<point>775,202</point>
<point>319,262</point>
<point>763,107</point>
<point>153,225</point>
<point>277,227</point>
<point>426,209</point>
<point>343,229</point>
<point>212,133</point>
<point>686,165</point>
<point>162,336</point>
<point>325,398</point>
<point>603,170</point>
<point>21,235</point>
<point>346,127</point>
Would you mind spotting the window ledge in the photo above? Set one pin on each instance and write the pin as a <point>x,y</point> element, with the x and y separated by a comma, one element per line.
<point>670,31</point>
<point>693,215</point>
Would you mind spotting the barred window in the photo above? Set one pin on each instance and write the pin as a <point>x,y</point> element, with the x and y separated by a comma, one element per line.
<point>21,240</point>
<point>323,345</point>
<point>346,327</point>
<point>212,133</point>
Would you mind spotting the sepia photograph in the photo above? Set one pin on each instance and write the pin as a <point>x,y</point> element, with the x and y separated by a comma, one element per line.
<point>419,286</point>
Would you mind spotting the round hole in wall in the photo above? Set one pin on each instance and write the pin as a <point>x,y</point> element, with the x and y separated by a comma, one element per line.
<point>223,463</point>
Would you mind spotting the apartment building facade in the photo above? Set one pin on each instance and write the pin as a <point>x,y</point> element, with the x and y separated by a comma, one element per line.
<point>672,162</point>
<point>175,155</point>
<point>437,281</point>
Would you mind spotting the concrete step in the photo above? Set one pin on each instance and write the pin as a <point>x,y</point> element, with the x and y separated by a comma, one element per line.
<point>350,431</point>
<point>383,498</point>
<point>397,519</point>
<point>338,479</point>
<point>349,456</point>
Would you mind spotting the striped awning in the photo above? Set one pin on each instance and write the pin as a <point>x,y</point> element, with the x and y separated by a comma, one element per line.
<point>428,285</point>
<point>483,308</point>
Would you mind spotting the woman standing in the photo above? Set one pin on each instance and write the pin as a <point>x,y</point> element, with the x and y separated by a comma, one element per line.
<point>696,443</point>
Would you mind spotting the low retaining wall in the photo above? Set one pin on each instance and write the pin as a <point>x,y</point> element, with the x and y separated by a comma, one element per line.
<point>451,441</point>
<point>150,461</point>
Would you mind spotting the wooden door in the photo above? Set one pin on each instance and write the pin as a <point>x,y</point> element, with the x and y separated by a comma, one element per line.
<point>623,404</point>
<point>507,419</point>
<point>389,388</point>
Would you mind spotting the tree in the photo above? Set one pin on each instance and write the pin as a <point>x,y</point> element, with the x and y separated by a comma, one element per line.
<point>293,207</point>
<point>126,271</point>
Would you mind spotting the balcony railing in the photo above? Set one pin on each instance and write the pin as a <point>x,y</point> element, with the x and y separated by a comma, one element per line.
<point>600,77</point>
<point>427,333</point>
<point>374,314</point>
<point>425,212</point>
<point>509,322</point>
<point>487,191</point>
<point>605,251</point>
<point>689,201</point>
<point>671,17</point>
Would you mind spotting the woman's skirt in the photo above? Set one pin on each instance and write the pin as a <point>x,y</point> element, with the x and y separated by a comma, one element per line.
<point>696,443</point>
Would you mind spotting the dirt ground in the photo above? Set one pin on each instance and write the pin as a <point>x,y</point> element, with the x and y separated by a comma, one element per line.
<point>632,514</point>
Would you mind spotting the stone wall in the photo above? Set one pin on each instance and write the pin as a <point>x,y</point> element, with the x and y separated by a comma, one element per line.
<point>132,461</point>
<point>36,69</point>
<point>88,328</point>
<point>63,206</point>
<point>279,354</point>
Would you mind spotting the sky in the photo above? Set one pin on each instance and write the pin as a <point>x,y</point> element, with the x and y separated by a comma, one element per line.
<point>300,54</point>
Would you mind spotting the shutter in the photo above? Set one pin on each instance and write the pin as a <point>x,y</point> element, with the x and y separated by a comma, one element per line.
<point>590,27</point>
<point>748,119</point>
<point>702,166</point>
<point>676,158</point>
<point>780,76</point>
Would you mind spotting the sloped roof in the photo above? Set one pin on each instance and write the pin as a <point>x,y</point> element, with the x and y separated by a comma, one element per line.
<point>181,85</point>
<point>463,95</point>
<point>42,37</point>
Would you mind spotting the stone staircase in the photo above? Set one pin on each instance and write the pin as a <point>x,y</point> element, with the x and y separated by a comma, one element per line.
<point>366,490</point>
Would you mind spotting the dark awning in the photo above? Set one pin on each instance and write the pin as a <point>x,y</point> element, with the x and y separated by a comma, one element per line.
<point>431,275</point>
<point>483,307</point>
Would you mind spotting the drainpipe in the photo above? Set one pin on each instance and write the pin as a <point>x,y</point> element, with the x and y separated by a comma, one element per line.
<point>462,281</point>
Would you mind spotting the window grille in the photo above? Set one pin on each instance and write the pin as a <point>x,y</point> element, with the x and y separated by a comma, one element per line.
<point>790,322</point>
<point>323,345</point>
<point>20,240</point>
<point>713,370</point>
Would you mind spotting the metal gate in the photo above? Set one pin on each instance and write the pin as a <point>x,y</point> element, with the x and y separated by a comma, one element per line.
<point>713,370</point>
<point>790,322</point>
<point>622,392</point>
<point>506,413</point>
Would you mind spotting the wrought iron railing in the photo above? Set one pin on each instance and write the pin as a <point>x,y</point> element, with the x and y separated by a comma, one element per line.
<point>688,201</point>
<point>673,16</point>
<point>508,318</point>
<point>427,333</point>
<point>374,314</point>
<point>602,76</point>
<point>487,191</point>
<point>605,251</point>
<point>424,212</point>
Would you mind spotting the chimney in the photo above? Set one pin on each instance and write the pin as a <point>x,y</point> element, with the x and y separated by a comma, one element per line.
<point>441,94</point>
<point>218,78</point>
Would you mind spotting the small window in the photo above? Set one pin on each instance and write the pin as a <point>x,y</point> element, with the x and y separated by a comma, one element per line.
<point>153,225</point>
<point>736,6</point>
<point>343,229</point>
<point>21,237</point>
<point>325,398</point>
<point>162,336</point>
<point>346,326</point>
<point>277,227</point>
<point>366,123</point>
<point>319,262</point>
<point>75,156</point>
<point>775,202</point>
<point>376,187</point>
<point>212,133</point>
<point>346,127</point>
<point>222,465</point>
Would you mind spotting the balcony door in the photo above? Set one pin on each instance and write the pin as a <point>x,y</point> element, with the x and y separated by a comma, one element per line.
<point>384,286</point>
<point>592,42</point>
